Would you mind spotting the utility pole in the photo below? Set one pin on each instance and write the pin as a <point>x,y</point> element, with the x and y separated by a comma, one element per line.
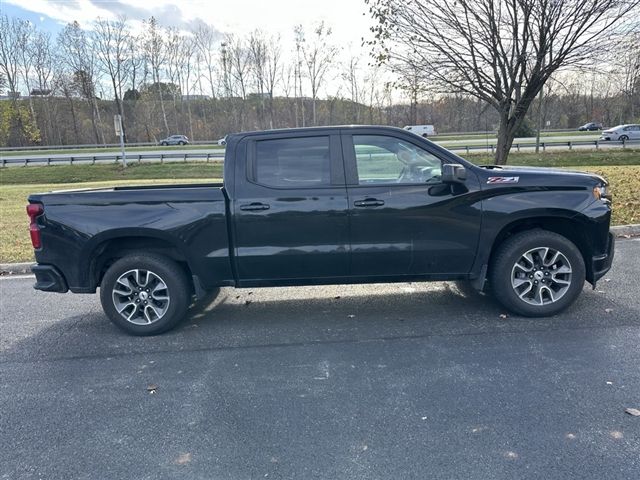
<point>224,68</point>
<point>539,126</point>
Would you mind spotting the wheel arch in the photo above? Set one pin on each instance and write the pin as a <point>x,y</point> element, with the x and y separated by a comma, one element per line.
<point>107,248</point>
<point>571,228</point>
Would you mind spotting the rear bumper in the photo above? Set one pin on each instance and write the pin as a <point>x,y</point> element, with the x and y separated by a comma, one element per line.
<point>601,264</point>
<point>49,279</point>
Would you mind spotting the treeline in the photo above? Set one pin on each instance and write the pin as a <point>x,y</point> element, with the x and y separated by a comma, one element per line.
<point>66,90</point>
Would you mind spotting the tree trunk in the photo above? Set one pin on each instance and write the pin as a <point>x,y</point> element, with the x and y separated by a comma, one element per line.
<point>505,138</point>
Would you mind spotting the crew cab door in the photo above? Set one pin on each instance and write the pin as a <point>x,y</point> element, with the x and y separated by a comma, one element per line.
<point>290,209</point>
<point>403,220</point>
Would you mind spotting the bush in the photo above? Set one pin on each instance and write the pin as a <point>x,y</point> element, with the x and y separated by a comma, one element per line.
<point>526,129</point>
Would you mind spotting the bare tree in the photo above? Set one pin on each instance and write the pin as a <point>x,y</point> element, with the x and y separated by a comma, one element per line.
<point>318,54</point>
<point>500,51</point>
<point>206,40</point>
<point>10,49</point>
<point>239,64</point>
<point>76,53</point>
<point>273,71</point>
<point>351,75</point>
<point>111,40</point>
<point>155,57</point>
<point>43,66</point>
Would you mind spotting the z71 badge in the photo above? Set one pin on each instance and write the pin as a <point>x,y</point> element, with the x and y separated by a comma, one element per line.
<point>503,179</point>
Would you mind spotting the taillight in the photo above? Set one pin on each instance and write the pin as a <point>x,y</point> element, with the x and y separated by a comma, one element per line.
<point>34,210</point>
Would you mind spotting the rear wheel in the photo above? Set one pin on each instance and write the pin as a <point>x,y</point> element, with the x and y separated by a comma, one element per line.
<point>145,294</point>
<point>537,273</point>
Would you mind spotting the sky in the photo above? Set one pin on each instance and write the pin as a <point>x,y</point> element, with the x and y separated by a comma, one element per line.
<point>347,18</point>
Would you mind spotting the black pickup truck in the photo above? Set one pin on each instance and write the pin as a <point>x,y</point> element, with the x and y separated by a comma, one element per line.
<point>328,205</point>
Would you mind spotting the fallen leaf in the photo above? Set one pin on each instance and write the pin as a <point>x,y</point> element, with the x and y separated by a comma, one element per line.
<point>351,316</point>
<point>633,411</point>
<point>608,310</point>
<point>337,297</point>
<point>152,388</point>
<point>609,383</point>
<point>607,279</point>
<point>504,315</point>
<point>247,302</point>
<point>183,458</point>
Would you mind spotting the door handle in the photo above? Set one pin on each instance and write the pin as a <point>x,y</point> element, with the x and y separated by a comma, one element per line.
<point>369,202</point>
<point>252,207</point>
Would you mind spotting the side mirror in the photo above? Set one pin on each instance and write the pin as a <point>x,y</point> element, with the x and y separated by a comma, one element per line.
<point>453,173</point>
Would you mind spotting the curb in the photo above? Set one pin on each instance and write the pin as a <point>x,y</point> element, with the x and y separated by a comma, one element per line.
<point>620,231</point>
<point>626,230</point>
<point>15,268</point>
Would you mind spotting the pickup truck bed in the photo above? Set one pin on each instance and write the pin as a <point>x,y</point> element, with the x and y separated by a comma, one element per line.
<point>89,226</point>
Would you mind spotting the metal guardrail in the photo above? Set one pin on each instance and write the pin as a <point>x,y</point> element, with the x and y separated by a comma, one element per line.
<point>219,155</point>
<point>115,158</point>
<point>101,146</point>
<point>544,145</point>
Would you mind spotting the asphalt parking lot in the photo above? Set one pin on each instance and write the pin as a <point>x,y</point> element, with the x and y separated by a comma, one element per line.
<point>402,381</point>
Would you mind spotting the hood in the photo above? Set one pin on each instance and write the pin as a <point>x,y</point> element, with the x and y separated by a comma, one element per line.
<point>542,176</point>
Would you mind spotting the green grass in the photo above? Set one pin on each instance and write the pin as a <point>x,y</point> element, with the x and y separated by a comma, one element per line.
<point>492,136</point>
<point>109,172</point>
<point>91,151</point>
<point>573,158</point>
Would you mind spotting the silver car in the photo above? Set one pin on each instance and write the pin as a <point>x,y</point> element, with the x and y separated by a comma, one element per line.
<point>622,133</point>
<point>174,140</point>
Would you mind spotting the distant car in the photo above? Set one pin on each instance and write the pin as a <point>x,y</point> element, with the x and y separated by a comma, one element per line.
<point>622,133</point>
<point>223,141</point>
<point>422,130</point>
<point>174,140</point>
<point>590,127</point>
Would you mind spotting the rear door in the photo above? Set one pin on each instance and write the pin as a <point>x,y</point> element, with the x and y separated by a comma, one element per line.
<point>403,220</point>
<point>290,209</point>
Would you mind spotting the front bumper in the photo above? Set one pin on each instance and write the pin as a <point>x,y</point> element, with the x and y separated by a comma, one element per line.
<point>49,279</point>
<point>601,264</point>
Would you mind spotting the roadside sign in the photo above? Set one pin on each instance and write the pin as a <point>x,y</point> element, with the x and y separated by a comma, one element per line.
<point>117,124</point>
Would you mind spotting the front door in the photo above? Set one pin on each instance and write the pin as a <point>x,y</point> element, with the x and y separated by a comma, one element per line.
<point>403,220</point>
<point>290,210</point>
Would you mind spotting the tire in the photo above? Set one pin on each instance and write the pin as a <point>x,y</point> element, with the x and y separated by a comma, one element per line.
<point>180,143</point>
<point>168,294</point>
<point>623,138</point>
<point>529,279</point>
<point>164,144</point>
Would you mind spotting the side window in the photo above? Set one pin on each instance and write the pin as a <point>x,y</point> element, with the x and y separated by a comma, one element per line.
<point>382,159</point>
<point>293,162</point>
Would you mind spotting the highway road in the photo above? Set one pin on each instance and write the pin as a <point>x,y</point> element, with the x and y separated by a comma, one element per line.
<point>459,146</point>
<point>397,381</point>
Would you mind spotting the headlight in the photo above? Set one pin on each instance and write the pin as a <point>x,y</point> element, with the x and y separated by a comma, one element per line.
<point>601,192</point>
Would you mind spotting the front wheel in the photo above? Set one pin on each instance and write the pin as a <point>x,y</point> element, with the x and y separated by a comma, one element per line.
<point>623,138</point>
<point>537,273</point>
<point>145,294</point>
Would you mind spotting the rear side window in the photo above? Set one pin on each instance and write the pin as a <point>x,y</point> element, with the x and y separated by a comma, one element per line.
<point>293,162</point>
